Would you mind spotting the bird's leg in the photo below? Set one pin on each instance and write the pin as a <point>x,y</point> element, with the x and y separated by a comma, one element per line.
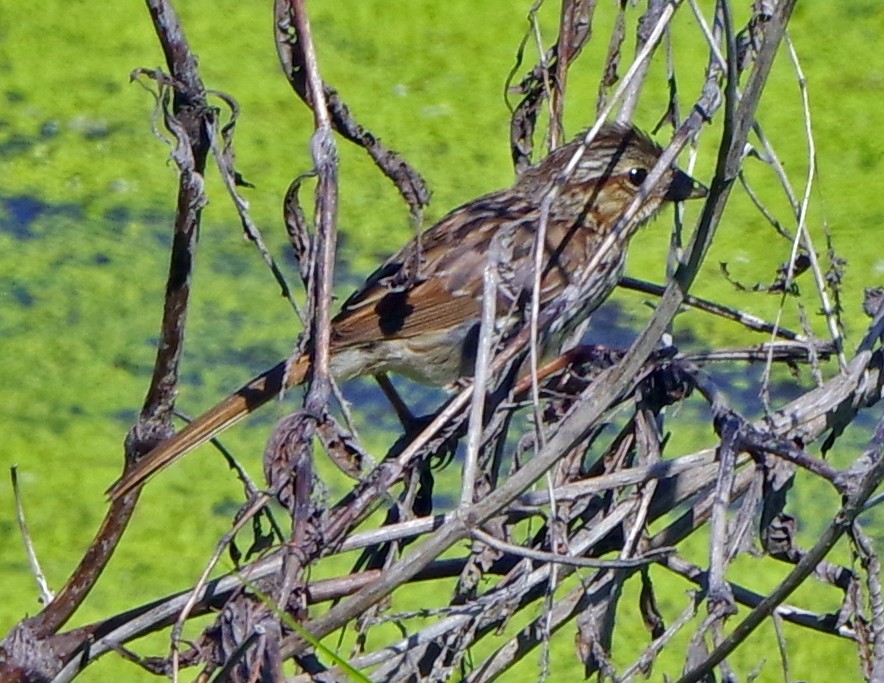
<point>403,412</point>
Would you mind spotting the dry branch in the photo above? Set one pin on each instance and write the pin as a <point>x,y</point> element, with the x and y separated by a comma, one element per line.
<point>617,505</point>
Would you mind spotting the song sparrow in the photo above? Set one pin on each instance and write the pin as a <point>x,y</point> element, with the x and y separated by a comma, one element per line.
<point>418,314</point>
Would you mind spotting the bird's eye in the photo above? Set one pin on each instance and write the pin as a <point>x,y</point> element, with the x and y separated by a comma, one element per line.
<point>637,175</point>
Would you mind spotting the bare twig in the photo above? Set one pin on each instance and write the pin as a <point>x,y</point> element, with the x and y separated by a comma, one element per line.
<point>46,594</point>
<point>592,424</point>
<point>865,483</point>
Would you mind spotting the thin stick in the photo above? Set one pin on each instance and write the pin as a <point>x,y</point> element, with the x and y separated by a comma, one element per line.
<point>841,522</point>
<point>46,594</point>
<point>572,560</point>
<point>480,380</point>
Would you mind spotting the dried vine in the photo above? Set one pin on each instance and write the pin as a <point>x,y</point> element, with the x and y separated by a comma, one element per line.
<point>514,555</point>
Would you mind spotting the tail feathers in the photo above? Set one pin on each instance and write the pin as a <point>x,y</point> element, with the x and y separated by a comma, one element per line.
<point>225,414</point>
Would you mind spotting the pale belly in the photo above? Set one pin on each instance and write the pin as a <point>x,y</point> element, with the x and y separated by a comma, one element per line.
<point>442,357</point>
<point>437,358</point>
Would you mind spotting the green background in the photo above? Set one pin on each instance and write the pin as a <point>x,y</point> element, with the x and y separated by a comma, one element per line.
<point>86,201</point>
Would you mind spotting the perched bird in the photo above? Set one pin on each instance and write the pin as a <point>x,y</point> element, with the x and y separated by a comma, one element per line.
<point>418,314</point>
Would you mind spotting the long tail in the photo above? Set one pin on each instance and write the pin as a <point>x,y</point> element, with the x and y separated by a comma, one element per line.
<point>230,411</point>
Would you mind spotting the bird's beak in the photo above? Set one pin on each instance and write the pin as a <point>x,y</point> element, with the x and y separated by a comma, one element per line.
<point>684,187</point>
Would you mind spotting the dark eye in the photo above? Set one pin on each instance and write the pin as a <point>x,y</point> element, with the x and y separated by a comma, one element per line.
<point>637,175</point>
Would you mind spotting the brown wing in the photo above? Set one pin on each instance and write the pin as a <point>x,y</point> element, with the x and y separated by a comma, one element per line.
<point>434,282</point>
<point>422,309</point>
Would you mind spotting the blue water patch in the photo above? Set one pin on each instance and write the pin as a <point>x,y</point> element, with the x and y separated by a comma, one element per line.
<point>19,214</point>
<point>22,295</point>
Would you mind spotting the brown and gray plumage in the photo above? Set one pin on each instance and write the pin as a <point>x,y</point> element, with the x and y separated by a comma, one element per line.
<point>417,315</point>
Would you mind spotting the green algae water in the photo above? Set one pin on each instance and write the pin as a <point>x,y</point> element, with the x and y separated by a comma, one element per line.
<point>87,197</point>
